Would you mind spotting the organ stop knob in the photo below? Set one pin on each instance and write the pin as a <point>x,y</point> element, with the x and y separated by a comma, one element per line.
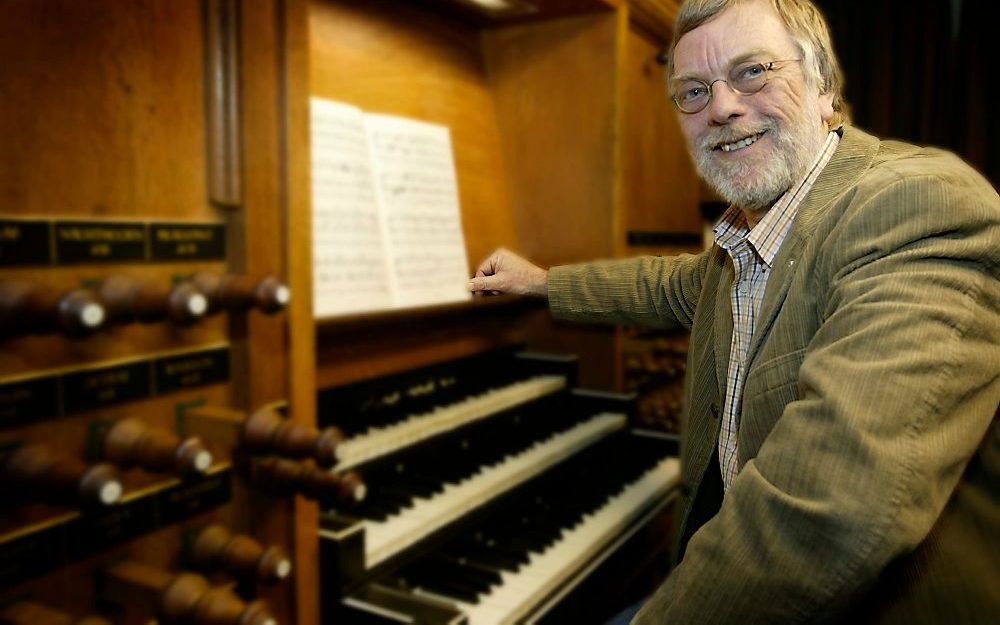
<point>216,548</point>
<point>34,473</point>
<point>131,299</point>
<point>133,443</point>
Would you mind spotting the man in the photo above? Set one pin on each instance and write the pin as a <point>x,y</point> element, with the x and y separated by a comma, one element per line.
<point>841,457</point>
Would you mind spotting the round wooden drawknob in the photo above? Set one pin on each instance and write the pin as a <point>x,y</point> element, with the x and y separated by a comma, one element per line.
<point>238,293</point>
<point>31,309</point>
<point>216,548</point>
<point>133,443</point>
<point>286,477</point>
<point>130,299</point>
<point>79,312</point>
<point>272,295</point>
<point>347,489</point>
<point>34,473</point>
<point>188,599</point>
<point>266,431</point>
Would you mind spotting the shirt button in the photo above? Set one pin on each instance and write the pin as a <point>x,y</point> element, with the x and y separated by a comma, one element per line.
<point>744,288</point>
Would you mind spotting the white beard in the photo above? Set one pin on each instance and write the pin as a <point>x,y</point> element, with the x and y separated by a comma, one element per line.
<point>748,183</point>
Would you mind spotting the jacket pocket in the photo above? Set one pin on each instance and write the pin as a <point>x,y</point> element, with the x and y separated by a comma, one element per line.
<point>773,372</point>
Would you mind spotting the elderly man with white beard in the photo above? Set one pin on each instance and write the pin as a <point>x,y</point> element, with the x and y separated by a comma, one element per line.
<point>840,452</point>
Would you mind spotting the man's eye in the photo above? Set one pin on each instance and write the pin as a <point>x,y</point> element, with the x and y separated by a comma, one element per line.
<point>693,93</point>
<point>750,72</point>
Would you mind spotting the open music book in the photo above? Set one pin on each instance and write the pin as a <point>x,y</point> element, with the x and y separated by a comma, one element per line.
<point>387,230</point>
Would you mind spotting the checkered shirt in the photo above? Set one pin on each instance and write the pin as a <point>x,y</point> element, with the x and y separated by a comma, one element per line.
<point>752,252</point>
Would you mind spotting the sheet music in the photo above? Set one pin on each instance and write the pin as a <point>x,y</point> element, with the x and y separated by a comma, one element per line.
<point>418,197</point>
<point>350,269</point>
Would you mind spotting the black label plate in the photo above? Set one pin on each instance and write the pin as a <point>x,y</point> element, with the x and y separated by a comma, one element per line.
<point>29,400</point>
<point>99,241</point>
<point>95,388</point>
<point>177,241</point>
<point>194,497</point>
<point>32,554</point>
<point>194,369</point>
<point>98,529</point>
<point>24,243</point>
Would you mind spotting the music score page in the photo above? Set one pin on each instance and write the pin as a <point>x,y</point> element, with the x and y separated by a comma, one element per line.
<point>387,229</point>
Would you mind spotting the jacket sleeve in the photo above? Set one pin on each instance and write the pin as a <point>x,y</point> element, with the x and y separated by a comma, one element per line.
<point>895,392</point>
<point>653,291</point>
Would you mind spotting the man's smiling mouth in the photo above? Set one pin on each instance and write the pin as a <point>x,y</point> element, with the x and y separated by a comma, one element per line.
<point>742,143</point>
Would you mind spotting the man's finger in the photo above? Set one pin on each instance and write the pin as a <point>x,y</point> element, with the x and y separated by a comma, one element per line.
<point>482,283</point>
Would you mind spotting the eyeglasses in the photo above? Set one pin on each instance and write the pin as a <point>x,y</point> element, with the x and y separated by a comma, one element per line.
<point>692,95</point>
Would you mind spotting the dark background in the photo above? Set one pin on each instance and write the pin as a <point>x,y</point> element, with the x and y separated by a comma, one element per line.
<point>919,70</point>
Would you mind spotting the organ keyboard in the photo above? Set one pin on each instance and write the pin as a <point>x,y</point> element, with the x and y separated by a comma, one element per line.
<point>485,505</point>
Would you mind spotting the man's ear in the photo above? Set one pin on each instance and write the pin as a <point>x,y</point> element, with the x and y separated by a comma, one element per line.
<point>826,107</point>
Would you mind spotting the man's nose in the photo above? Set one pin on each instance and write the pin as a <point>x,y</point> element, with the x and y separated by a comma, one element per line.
<point>725,104</point>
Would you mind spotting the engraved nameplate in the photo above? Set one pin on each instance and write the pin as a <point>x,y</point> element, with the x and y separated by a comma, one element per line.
<point>32,554</point>
<point>99,241</point>
<point>190,370</point>
<point>24,243</point>
<point>95,388</point>
<point>196,496</point>
<point>28,400</point>
<point>99,529</point>
<point>176,241</point>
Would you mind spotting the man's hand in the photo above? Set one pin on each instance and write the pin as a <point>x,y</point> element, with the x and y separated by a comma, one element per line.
<point>506,272</point>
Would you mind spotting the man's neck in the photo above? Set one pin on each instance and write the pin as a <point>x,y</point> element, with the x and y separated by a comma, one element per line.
<point>753,216</point>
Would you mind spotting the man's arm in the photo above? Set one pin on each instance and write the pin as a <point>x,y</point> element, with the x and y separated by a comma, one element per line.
<point>651,291</point>
<point>896,390</point>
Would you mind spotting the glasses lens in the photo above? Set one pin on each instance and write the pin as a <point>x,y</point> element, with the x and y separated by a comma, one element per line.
<point>691,96</point>
<point>748,78</point>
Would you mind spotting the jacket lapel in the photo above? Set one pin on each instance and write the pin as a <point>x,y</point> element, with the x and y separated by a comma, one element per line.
<point>853,156</point>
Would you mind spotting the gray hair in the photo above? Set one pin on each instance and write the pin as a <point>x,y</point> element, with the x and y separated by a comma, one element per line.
<point>808,29</point>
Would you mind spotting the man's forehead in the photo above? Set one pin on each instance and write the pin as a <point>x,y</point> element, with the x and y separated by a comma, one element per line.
<point>745,30</point>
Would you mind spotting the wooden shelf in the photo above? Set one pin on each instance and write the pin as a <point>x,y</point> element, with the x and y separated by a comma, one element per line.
<point>440,313</point>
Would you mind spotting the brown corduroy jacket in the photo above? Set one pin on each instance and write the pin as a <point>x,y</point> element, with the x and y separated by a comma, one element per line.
<point>869,450</point>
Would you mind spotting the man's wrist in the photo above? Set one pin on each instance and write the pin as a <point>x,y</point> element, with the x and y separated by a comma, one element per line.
<point>542,287</point>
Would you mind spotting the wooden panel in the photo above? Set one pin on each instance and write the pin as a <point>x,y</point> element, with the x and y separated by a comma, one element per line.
<point>655,18</point>
<point>386,57</point>
<point>104,113</point>
<point>555,90</point>
<point>301,330</point>
<point>660,186</point>
<point>521,11</point>
<point>261,341</point>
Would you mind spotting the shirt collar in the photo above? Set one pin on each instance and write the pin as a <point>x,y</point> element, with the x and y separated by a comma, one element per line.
<point>766,237</point>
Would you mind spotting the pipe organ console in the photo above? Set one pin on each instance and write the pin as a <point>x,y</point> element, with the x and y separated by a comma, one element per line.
<point>184,441</point>
<point>493,486</point>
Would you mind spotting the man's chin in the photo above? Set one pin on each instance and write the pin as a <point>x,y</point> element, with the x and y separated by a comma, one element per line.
<point>751,197</point>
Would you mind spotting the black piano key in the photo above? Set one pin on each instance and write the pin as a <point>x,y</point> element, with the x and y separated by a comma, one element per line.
<point>485,557</point>
<point>484,577</point>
